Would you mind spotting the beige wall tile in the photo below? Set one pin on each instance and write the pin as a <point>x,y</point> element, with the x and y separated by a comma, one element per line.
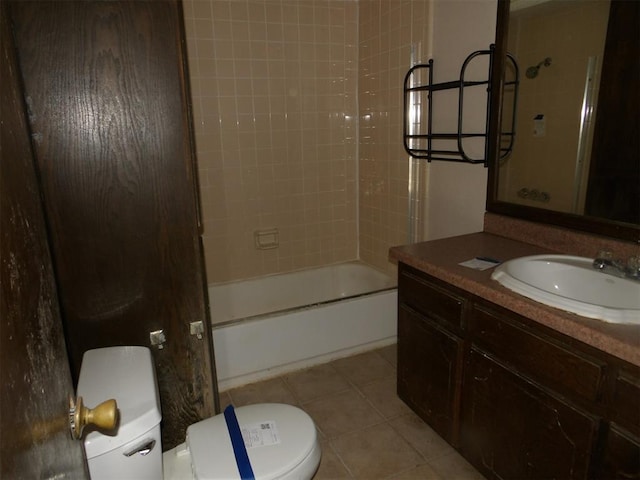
<point>276,86</point>
<point>386,39</point>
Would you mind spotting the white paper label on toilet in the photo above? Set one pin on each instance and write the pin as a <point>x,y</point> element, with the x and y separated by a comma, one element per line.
<point>260,434</point>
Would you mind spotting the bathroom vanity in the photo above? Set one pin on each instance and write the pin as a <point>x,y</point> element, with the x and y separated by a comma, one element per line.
<point>522,390</point>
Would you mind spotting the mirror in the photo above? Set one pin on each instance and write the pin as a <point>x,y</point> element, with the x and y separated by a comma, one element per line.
<point>575,160</point>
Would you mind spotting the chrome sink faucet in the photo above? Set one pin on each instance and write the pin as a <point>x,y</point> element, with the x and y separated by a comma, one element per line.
<point>607,264</point>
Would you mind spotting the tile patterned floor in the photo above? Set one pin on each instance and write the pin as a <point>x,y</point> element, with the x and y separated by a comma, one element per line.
<point>366,431</point>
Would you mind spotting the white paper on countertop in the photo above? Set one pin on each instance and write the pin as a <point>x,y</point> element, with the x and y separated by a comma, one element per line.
<point>478,264</point>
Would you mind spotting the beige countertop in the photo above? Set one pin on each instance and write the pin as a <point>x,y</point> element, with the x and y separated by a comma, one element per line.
<point>440,258</point>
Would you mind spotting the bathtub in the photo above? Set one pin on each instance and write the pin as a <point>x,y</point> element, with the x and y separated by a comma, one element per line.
<point>268,326</point>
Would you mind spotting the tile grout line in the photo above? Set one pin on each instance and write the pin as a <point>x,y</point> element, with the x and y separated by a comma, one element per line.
<point>360,391</point>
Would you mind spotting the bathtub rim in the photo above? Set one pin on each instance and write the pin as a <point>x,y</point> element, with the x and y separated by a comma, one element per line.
<point>285,311</point>
<point>306,269</point>
<point>392,285</point>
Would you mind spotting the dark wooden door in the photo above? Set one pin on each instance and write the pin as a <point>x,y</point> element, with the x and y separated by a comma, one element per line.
<point>107,91</point>
<point>34,371</point>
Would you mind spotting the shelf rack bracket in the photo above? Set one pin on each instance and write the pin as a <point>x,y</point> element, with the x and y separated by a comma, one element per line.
<point>420,139</point>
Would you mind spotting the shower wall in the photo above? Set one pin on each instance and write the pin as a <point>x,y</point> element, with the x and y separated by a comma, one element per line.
<point>389,31</point>
<point>274,87</point>
<point>277,88</point>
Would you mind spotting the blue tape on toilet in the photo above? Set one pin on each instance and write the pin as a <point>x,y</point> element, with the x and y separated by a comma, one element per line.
<point>239,450</point>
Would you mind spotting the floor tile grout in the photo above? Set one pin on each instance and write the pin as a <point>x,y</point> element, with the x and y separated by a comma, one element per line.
<point>299,388</point>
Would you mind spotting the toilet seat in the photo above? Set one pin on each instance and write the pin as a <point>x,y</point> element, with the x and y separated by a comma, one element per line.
<point>289,449</point>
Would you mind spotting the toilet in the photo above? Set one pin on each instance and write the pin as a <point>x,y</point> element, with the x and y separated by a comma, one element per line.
<point>280,440</point>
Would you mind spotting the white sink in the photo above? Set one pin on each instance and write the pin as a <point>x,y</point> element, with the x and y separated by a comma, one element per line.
<point>572,284</point>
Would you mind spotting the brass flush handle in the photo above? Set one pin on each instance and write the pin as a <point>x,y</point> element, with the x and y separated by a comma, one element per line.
<point>103,416</point>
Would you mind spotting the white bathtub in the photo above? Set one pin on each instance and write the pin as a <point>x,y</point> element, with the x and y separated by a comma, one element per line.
<point>272,325</point>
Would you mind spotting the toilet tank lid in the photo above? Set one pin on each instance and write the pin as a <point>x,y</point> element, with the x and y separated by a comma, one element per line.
<point>126,374</point>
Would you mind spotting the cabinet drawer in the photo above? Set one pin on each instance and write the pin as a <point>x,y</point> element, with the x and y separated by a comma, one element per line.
<point>542,359</point>
<point>626,401</point>
<point>429,299</point>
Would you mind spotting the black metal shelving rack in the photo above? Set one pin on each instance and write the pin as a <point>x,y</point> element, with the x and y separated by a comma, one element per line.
<point>457,153</point>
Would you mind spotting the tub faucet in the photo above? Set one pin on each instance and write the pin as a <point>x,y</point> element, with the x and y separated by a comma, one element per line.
<point>607,264</point>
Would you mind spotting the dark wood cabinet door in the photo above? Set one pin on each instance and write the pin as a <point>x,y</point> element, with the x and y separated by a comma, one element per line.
<point>34,371</point>
<point>625,401</point>
<point>513,429</point>
<point>621,455</point>
<point>106,87</point>
<point>428,359</point>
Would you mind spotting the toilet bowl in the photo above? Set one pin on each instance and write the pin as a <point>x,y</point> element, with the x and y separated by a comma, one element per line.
<point>280,440</point>
<point>288,450</point>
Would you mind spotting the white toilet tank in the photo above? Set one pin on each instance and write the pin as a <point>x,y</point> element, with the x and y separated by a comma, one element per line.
<point>126,374</point>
